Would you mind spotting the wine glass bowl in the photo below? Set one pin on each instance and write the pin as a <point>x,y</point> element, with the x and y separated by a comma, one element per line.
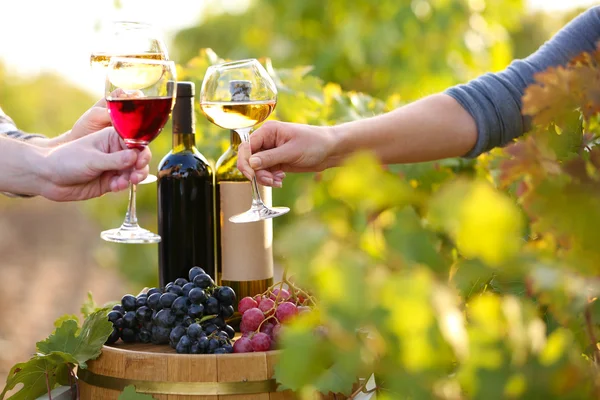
<point>140,96</point>
<point>239,95</point>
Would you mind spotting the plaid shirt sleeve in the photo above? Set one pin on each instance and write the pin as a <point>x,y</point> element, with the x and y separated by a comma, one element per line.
<point>8,128</point>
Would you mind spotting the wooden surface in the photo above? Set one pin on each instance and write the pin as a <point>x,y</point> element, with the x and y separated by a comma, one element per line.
<point>149,362</point>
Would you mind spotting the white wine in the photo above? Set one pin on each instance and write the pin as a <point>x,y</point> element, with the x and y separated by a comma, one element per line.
<point>101,60</point>
<point>244,251</point>
<point>237,114</point>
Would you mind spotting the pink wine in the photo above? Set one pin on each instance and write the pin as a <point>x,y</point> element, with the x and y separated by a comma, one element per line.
<point>139,121</point>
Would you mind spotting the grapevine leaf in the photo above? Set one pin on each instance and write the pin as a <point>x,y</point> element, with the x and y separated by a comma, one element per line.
<point>89,306</point>
<point>84,344</point>
<point>130,394</point>
<point>64,318</point>
<point>40,373</point>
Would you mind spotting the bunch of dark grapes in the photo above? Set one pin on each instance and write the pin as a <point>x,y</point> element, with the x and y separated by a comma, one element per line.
<point>263,317</point>
<point>190,315</point>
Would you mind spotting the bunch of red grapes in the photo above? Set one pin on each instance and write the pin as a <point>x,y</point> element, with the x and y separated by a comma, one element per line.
<point>263,317</point>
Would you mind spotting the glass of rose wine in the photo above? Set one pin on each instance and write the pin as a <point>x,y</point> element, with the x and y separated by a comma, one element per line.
<point>239,95</point>
<point>140,96</point>
<point>127,39</point>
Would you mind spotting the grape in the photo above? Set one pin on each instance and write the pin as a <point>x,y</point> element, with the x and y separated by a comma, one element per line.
<point>258,298</point>
<point>176,334</point>
<point>285,295</point>
<point>213,344</point>
<point>175,289</point>
<point>195,349</point>
<point>225,295</point>
<point>267,328</point>
<point>219,322</point>
<point>212,306</point>
<point>226,311</point>
<point>167,299</point>
<point>145,336</point>
<point>160,335</point>
<point>140,301</point>
<point>243,328</point>
<point>187,320</point>
<point>228,348</point>
<point>179,306</point>
<point>220,350</point>
<point>167,286</point>
<point>180,282</point>
<point>153,291</point>
<point>303,309</point>
<point>164,318</point>
<point>114,336</point>
<point>129,319</point>
<point>153,301</point>
<point>128,302</point>
<point>195,272</point>
<point>196,310</point>
<point>252,319</point>
<point>119,323</point>
<point>143,314</point>
<point>247,303</point>
<point>128,335</point>
<point>181,347</point>
<point>194,331</point>
<point>243,345</point>
<point>114,315</point>
<point>267,306</point>
<point>261,342</point>
<point>203,344</point>
<point>230,331</point>
<point>185,289</point>
<point>285,311</point>
<point>276,332</point>
<point>203,281</point>
<point>210,328</point>
<point>119,308</point>
<point>197,296</point>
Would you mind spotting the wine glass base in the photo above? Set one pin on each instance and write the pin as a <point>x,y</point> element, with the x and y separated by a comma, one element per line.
<point>149,179</point>
<point>254,215</point>
<point>135,235</point>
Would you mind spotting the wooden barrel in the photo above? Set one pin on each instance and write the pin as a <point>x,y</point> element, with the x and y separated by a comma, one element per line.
<point>166,375</point>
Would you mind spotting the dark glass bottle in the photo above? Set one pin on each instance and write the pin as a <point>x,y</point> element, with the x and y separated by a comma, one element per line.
<point>185,198</point>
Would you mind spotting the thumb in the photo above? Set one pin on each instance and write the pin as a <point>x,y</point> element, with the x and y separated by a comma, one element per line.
<point>112,161</point>
<point>269,158</point>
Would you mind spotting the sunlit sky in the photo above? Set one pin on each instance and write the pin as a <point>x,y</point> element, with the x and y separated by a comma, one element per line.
<point>56,35</point>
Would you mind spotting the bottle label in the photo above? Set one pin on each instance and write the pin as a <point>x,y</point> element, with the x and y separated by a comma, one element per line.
<point>246,249</point>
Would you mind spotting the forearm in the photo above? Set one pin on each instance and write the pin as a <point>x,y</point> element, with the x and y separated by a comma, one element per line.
<point>22,166</point>
<point>432,128</point>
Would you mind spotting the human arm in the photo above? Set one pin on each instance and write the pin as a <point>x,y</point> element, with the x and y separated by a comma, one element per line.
<point>464,121</point>
<point>81,169</point>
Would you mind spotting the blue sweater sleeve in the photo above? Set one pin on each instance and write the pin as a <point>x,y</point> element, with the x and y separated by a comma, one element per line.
<point>494,100</point>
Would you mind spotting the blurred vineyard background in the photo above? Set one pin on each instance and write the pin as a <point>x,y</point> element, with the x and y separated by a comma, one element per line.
<point>334,61</point>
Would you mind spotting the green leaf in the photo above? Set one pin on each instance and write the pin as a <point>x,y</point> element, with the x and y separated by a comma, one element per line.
<point>130,394</point>
<point>40,373</point>
<point>64,318</point>
<point>84,344</point>
<point>89,306</point>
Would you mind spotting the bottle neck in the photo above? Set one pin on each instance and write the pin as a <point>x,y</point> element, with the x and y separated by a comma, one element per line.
<point>183,141</point>
<point>184,124</point>
<point>235,140</point>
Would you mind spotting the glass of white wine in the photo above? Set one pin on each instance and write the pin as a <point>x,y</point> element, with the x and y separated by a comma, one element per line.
<point>239,95</point>
<point>131,40</point>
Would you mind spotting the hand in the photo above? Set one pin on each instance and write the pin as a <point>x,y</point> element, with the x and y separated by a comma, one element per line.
<point>279,147</point>
<point>93,120</point>
<point>92,166</point>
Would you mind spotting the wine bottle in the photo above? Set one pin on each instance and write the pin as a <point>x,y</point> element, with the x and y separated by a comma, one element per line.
<point>185,198</point>
<point>244,251</point>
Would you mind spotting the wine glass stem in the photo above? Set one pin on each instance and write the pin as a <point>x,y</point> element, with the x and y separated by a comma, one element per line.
<point>257,202</point>
<point>131,217</point>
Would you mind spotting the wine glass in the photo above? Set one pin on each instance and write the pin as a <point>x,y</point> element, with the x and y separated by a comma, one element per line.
<point>239,95</point>
<point>140,96</point>
<point>127,39</point>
